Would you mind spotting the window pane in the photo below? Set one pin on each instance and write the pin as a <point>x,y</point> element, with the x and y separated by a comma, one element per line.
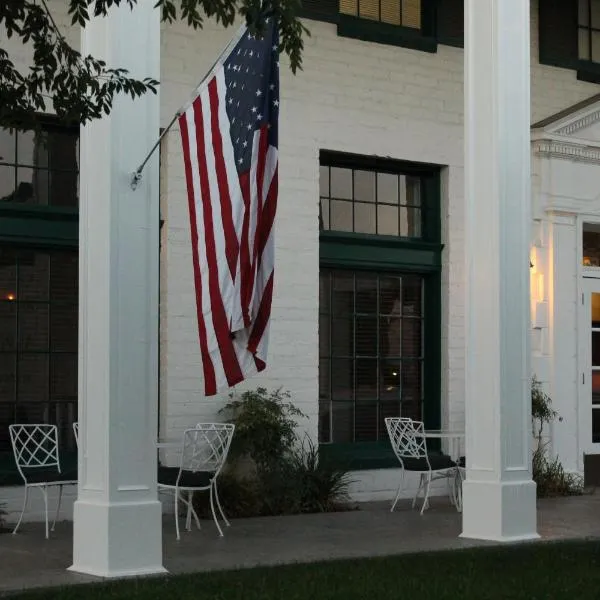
<point>387,409</point>
<point>390,11</point>
<point>390,373</point>
<point>324,215</point>
<point>8,326</point>
<point>411,13</point>
<point>591,245</point>
<point>324,182</point>
<point>366,380</point>
<point>33,327</point>
<point>342,297</point>
<point>8,372</point>
<point>343,422</point>
<point>33,276</point>
<point>63,188</point>
<point>584,44</point>
<point>410,222</point>
<point>595,6</point>
<point>342,337</point>
<point>341,183</point>
<point>366,336</point>
<point>411,295</point>
<point>8,274</point>
<point>33,378</point>
<point>387,219</point>
<point>595,46</point>
<point>342,379</point>
<point>365,416</point>
<point>324,423</point>
<point>324,291</point>
<point>341,215</point>
<point>349,7</point>
<point>387,188</point>
<point>7,146</point>
<point>7,184</point>
<point>26,154</point>
<point>369,9</point>
<point>63,380</point>
<point>364,218</point>
<point>390,336</point>
<point>411,338</point>
<point>366,294</point>
<point>584,13</point>
<point>364,186</point>
<point>390,295</point>
<point>64,277</point>
<point>413,190</point>
<point>63,328</point>
<point>324,380</point>
<point>32,186</point>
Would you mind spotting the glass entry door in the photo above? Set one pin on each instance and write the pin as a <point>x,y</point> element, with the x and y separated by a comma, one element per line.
<point>589,409</point>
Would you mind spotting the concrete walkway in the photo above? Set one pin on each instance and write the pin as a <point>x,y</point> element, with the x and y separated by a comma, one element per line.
<point>27,560</point>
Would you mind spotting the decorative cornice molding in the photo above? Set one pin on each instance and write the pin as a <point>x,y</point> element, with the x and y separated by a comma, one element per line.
<point>567,151</point>
<point>582,123</point>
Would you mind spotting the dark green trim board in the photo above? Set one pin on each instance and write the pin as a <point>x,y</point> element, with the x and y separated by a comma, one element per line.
<point>40,226</point>
<point>320,10</point>
<point>384,33</point>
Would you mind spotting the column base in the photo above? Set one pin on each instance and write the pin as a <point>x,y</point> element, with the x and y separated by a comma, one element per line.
<point>499,511</point>
<point>117,539</point>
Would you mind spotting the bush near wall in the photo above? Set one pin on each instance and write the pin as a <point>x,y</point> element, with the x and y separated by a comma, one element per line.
<point>270,471</point>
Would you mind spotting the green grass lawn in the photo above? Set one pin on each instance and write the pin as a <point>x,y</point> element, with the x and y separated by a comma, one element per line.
<point>527,572</point>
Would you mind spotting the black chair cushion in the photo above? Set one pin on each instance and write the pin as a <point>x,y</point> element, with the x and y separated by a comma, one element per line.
<point>462,462</point>
<point>437,462</point>
<point>49,474</point>
<point>168,476</point>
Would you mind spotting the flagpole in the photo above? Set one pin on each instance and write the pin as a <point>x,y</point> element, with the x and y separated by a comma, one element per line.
<point>136,176</point>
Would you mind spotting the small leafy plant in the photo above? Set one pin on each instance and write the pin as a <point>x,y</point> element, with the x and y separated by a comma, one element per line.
<point>550,476</point>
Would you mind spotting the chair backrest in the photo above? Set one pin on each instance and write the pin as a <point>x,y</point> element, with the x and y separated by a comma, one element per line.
<point>76,432</point>
<point>34,446</point>
<point>205,447</point>
<point>407,437</point>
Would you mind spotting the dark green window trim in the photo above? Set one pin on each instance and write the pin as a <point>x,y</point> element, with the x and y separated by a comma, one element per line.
<point>384,33</point>
<point>320,10</point>
<point>387,253</point>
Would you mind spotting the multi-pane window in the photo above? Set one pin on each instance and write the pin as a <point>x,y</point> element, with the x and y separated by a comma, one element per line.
<point>406,13</point>
<point>372,202</point>
<point>589,30</point>
<point>39,167</point>
<point>38,339</point>
<point>371,359</point>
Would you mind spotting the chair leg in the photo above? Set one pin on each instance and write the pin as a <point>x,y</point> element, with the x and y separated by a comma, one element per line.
<point>188,517</point>
<point>195,515</point>
<point>421,479</point>
<point>212,507</point>
<point>400,488</point>
<point>60,491</point>
<point>426,499</point>
<point>23,510</point>
<point>219,505</point>
<point>44,491</point>
<point>177,514</point>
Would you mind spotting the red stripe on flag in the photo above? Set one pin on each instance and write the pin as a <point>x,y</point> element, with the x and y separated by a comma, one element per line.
<point>263,317</point>
<point>231,242</point>
<point>228,356</point>
<point>245,264</point>
<point>268,215</point>
<point>210,384</point>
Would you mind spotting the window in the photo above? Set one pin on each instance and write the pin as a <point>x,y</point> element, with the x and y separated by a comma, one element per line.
<point>395,12</point>
<point>589,30</point>
<point>38,284</point>
<point>591,245</point>
<point>417,24</point>
<point>379,302</point>
<point>371,352</point>
<point>39,168</point>
<point>569,36</point>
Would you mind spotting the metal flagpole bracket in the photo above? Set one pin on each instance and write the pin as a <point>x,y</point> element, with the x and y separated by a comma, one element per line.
<point>136,177</point>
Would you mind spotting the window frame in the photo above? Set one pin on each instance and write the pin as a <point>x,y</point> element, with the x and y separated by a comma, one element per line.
<point>367,252</point>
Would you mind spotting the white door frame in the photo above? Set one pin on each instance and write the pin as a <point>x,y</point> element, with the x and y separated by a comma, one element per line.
<point>590,283</point>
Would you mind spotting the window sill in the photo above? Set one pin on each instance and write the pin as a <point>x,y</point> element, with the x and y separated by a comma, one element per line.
<point>384,33</point>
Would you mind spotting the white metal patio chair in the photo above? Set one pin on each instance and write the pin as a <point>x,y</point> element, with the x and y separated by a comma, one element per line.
<point>76,432</point>
<point>204,452</point>
<point>35,449</point>
<point>410,447</point>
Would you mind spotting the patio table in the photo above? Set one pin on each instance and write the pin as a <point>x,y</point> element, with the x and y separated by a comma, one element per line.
<point>454,438</point>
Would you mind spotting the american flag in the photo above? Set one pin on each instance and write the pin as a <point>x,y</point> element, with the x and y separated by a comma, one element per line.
<point>229,136</point>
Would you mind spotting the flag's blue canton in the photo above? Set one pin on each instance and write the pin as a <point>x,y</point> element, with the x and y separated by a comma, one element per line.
<point>252,99</point>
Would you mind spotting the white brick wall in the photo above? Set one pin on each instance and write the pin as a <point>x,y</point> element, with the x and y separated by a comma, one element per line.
<point>352,96</point>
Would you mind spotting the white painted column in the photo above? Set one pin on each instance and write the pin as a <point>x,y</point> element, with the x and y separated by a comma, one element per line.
<point>117,517</point>
<point>499,495</point>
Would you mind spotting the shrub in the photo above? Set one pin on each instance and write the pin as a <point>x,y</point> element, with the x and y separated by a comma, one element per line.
<point>289,476</point>
<point>549,475</point>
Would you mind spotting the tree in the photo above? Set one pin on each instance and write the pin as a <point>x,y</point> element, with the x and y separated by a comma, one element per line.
<point>82,88</point>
